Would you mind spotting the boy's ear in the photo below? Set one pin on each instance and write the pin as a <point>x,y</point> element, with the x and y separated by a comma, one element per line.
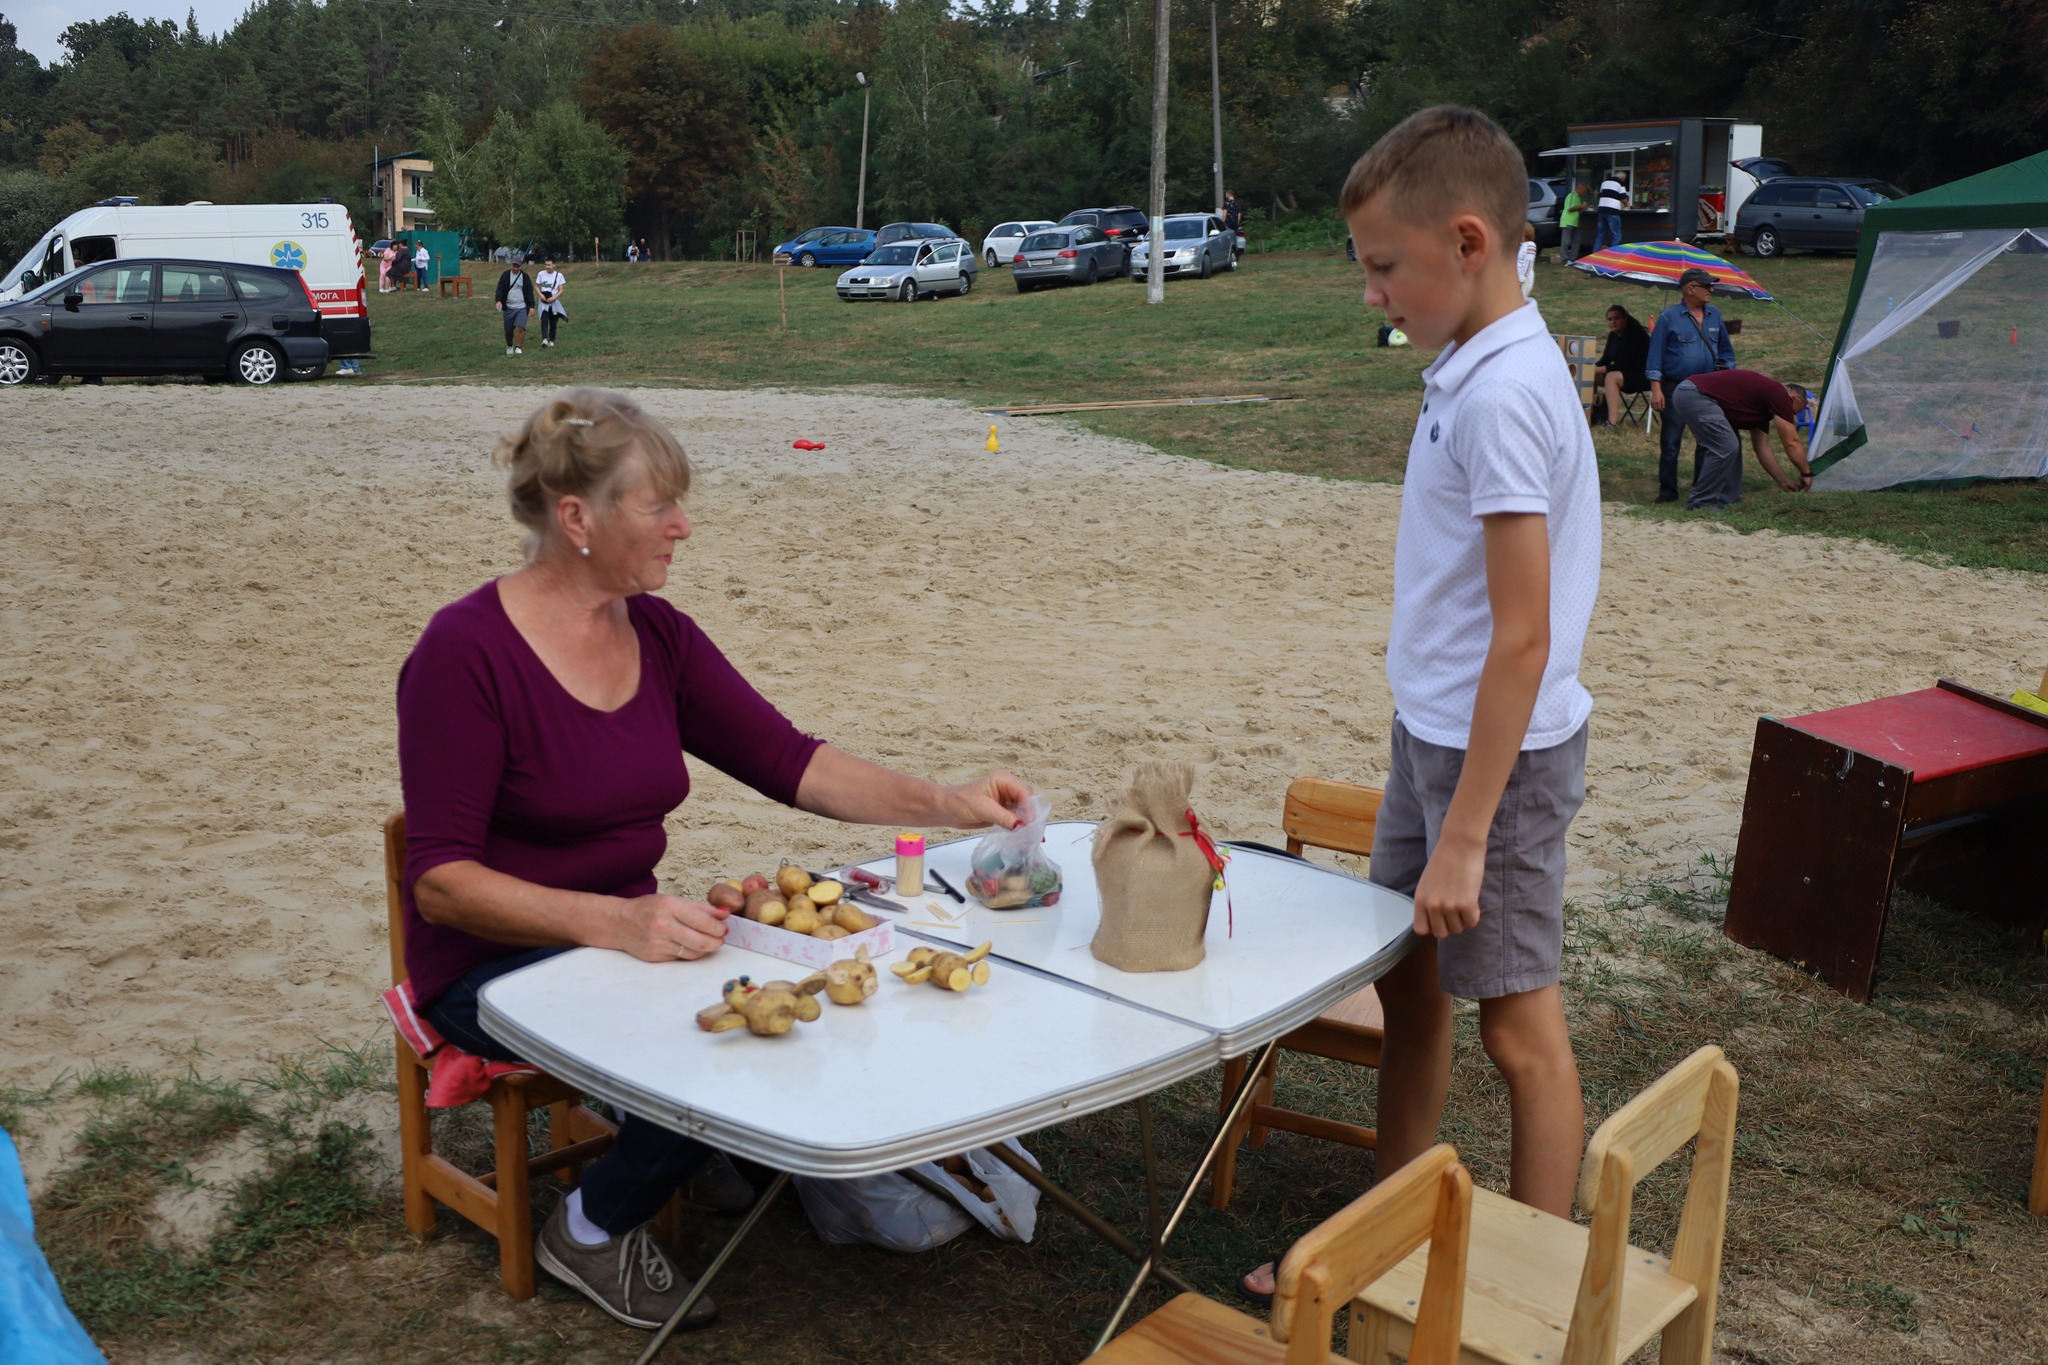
<point>1475,241</point>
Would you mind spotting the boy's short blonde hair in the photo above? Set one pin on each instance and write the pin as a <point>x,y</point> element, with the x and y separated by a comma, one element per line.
<point>1442,161</point>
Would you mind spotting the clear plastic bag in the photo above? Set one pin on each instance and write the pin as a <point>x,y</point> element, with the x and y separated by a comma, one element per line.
<point>1010,870</point>
<point>894,1213</point>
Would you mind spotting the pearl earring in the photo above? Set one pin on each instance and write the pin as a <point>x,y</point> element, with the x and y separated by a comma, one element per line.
<point>586,552</point>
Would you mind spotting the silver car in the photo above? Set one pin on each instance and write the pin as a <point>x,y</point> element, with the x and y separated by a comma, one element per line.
<point>1081,254</point>
<point>910,270</point>
<point>1195,244</point>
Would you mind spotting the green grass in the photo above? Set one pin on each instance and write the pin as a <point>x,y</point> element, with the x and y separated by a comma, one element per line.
<point>1290,325</point>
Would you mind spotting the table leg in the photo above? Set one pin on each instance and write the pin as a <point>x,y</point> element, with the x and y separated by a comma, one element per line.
<point>725,1252</point>
<point>1245,1090</point>
<point>1151,1168</point>
<point>1081,1213</point>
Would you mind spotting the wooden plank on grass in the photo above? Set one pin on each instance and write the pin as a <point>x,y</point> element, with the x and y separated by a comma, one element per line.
<point>1046,408</point>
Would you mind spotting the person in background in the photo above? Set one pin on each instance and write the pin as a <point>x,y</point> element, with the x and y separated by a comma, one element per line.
<point>645,254</point>
<point>385,258</point>
<point>401,263</point>
<point>1525,260</point>
<point>422,262</point>
<point>1688,338</point>
<point>632,253</point>
<point>1620,368</point>
<point>1720,405</point>
<point>550,282</point>
<point>1571,244</point>
<point>548,724</point>
<point>1233,219</point>
<point>1613,199</point>
<point>515,300</point>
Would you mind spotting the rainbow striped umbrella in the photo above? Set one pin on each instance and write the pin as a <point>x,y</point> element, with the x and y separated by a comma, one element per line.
<point>1661,263</point>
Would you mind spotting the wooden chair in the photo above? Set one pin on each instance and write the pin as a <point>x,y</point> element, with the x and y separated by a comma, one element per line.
<point>1428,1201</point>
<point>1319,813</point>
<point>499,1201</point>
<point>1540,1290</point>
<point>2037,1193</point>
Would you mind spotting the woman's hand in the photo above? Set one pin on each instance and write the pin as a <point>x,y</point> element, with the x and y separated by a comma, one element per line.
<point>991,800</point>
<point>662,928</point>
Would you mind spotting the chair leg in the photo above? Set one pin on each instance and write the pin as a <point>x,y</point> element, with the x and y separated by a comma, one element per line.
<point>1264,1095</point>
<point>515,1192</point>
<point>1371,1337</point>
<point>562,1133</point>
<point>415,1140</point>
<point>1223,1177</point>
<point>2037,1196</point>
<point>1687,1339</point>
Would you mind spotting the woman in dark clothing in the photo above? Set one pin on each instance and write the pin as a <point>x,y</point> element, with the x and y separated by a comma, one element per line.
<point>1620,369</point>
<point>543,724</point>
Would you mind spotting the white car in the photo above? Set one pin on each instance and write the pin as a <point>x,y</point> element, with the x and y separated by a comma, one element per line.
<point>1005,239</point>
<point>910,270</point>
<point>1195,244</point>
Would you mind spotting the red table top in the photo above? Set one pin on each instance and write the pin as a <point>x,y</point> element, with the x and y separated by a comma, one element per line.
<point>1933,733</point>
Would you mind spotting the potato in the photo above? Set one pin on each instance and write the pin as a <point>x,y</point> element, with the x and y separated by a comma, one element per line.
<point>830,931</point>
<point>852,918</point>
<point>801,902</point>
<point>792,881</point>
<point>801,918</point>
<point>726,896</point>
<point>827,893</point>
<point>757,882</point>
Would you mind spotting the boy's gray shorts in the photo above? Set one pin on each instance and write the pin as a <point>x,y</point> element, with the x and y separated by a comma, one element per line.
<point>1518,944</point>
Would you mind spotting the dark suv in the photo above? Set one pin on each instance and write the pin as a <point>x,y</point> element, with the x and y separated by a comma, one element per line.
<point>255,323</point>
<point>1819,213</point>
<point>1123,224</point>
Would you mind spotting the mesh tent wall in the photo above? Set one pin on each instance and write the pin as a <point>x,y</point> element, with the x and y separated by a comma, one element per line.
<point>1939,375</point>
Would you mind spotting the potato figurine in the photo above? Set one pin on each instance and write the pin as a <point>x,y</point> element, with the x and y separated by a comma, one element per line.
<point>801,918</point>
<point>792,881</point>
<point>726,896</point>
<point>825,893</point>
<point>852,918</point>
<point>767,1009</point>
<point>851,980</point>
<point>944,968</point>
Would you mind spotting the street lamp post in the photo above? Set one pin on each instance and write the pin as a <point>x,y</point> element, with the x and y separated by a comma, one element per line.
<point>1155,266</point>
<point>1216,107</point>
<point>860,204</point>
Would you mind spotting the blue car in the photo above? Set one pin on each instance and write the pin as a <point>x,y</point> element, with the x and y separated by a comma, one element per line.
<point>826,246</point>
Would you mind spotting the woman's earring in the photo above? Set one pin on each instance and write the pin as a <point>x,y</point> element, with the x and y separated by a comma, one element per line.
<point>586,552</point>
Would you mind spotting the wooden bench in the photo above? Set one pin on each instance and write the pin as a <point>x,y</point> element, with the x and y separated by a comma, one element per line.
<point>1945,789</point>
<point>461,286</point>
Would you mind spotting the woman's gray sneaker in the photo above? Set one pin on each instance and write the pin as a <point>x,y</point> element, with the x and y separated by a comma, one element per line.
<point>718,1187</point>
<point>629,1277</point>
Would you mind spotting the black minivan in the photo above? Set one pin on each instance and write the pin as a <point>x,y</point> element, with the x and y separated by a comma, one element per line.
<point>257,324</point>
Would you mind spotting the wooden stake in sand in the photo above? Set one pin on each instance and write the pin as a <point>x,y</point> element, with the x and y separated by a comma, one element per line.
<point>782,288</point>
<point>1045,408</point>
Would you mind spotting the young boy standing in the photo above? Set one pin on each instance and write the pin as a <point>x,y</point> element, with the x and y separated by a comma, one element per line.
<point>1496,565</point>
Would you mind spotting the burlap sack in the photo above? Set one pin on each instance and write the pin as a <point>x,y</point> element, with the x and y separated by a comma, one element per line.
<point>1154,881</point>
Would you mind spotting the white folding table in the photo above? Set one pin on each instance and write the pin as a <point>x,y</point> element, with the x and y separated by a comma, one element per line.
<point>916,1074</point>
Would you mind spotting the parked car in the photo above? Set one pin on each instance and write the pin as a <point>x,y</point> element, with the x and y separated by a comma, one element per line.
<point>1818,213</point>
<point>910,270</point>
<point>258,324</point>
<point>827,246</point>
<point>1080,254</point>
<point>1195,244</point>
<point>903,232</point>
<point>1004,238</point>
<point>1546,202</point>
<point>1122,224</point>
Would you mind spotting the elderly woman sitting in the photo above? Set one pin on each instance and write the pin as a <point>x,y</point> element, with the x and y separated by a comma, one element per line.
<point>542,726</point>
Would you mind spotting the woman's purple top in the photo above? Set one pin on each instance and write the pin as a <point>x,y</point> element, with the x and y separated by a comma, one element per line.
<point>501,766</point>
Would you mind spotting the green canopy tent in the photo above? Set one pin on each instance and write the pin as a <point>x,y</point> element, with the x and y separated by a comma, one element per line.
<point>1939,375</point>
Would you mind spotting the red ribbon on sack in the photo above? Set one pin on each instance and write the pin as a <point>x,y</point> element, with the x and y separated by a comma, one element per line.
<point>1217,858</point>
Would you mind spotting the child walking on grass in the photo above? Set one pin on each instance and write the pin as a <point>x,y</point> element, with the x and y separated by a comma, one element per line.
<point>1496,565</point>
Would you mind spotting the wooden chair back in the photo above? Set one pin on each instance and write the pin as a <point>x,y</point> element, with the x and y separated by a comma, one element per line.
<point>1428,1200</point>
<point>1321,812</point>
<point>394,897</point>
<point>1695,1099</point>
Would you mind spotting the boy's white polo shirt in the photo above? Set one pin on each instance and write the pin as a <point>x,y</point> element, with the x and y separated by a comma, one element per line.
<point>1501,430</point>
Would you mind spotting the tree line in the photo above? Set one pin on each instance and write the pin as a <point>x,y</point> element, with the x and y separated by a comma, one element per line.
<point>685,120</point>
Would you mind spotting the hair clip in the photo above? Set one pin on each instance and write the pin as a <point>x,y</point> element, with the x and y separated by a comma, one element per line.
<point>579,421</point>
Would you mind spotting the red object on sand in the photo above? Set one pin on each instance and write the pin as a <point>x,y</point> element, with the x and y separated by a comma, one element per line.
<point>806,445</point>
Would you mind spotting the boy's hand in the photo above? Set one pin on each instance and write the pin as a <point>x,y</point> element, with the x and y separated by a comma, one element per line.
<point>1447,897</point>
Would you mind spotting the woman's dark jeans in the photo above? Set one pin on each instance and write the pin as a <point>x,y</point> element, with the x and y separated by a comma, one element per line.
<point>627,1185</point>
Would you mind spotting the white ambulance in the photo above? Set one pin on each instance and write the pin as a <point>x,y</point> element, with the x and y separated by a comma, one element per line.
<point>315,239</point>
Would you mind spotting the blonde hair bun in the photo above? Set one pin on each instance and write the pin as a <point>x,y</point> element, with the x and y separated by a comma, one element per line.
<point>579,444</point>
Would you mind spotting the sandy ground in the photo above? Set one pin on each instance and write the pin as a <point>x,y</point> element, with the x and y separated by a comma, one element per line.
<point>207,593</point>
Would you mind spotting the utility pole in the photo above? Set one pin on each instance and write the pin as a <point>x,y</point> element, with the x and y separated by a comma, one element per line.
<point>1216,108</point>
<point>1155,263</point>
<point>860,204</point>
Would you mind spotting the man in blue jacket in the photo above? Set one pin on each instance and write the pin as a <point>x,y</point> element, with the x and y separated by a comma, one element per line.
<point>1688,338</point>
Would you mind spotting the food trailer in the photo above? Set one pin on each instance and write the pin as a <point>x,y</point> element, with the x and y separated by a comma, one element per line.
<point>1682,181</point>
